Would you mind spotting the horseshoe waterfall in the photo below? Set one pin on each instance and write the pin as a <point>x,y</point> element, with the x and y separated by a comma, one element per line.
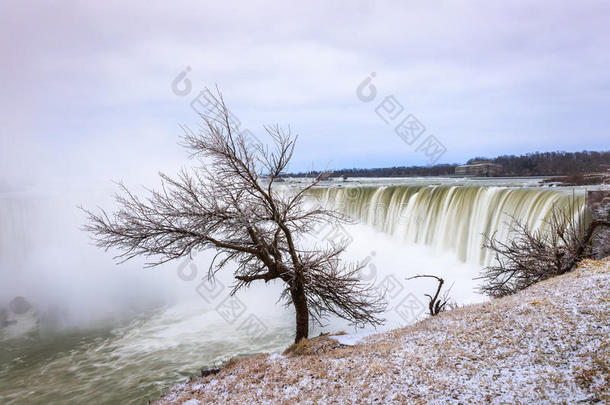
<point>453,218</point>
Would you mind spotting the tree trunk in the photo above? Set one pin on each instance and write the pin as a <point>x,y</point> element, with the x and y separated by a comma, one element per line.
<point>300,306</point>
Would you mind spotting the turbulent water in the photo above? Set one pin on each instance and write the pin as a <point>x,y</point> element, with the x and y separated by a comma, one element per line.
<point>127,363</point>
<point>103,333</point>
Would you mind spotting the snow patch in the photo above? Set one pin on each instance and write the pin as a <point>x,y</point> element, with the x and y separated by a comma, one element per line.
<point>351,339</point>
<point>275,356</point>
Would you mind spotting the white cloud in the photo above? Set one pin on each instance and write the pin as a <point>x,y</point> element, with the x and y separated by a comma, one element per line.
<point>83,75</point>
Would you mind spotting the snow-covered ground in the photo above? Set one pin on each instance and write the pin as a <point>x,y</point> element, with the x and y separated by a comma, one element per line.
<point>547,344</point>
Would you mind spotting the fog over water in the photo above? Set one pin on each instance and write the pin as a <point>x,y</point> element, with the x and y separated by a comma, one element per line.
<point>119,331</point>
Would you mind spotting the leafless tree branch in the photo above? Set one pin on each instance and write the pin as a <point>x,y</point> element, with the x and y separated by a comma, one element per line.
<point>436,305</point>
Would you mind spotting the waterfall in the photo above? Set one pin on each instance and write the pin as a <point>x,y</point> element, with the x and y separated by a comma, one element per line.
<point>450,218</point>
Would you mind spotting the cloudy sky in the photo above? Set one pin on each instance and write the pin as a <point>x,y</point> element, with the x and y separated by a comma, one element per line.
<point>88,88</point>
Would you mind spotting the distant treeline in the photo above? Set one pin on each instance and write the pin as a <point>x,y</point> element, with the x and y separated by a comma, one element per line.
<point>531,164</point>
<point>552,163</point>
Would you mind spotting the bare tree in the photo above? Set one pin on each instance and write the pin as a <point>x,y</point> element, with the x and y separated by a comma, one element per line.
<point>436,305</point>
<point>230,204</point>
<point>533,256</point>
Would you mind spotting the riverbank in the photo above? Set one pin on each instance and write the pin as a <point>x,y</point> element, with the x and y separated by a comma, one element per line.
<point>584,179</point>
<point>548,343</point>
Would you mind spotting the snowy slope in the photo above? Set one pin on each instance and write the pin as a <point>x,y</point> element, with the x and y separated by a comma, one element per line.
<point>547,344</point>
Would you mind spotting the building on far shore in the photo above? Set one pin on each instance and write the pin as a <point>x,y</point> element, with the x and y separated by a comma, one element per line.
<point>479,168</point>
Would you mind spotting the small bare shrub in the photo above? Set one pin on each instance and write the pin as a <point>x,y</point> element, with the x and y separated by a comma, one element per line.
<point>437,305</point>
<point>532,256</point>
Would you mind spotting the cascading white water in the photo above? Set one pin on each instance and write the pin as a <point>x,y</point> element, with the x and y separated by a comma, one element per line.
<point>450,218</point>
